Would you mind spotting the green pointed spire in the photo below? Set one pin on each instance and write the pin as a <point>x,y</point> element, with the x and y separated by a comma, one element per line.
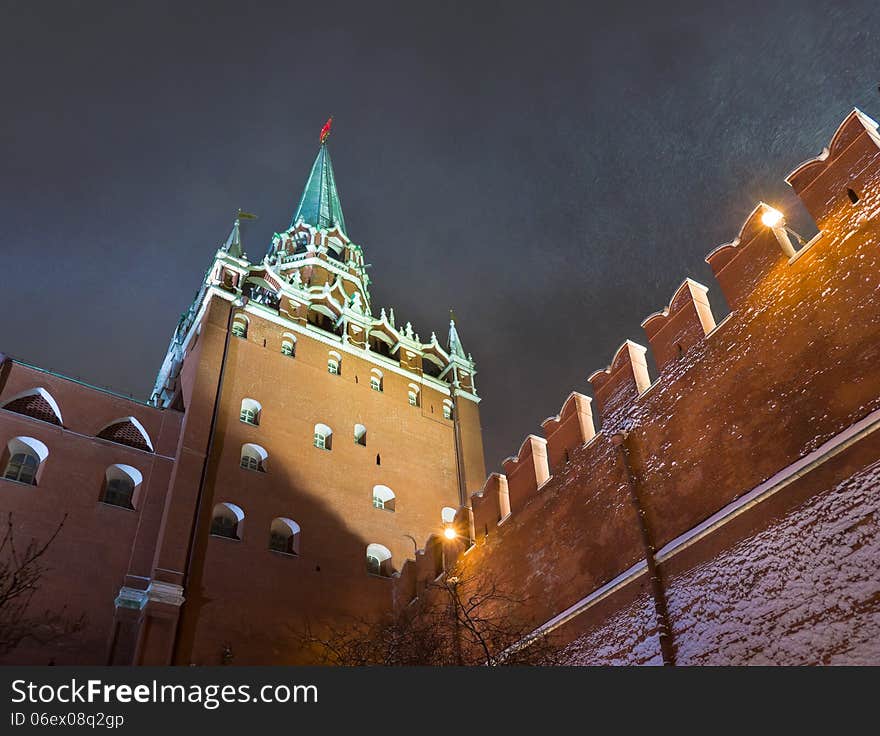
<point>233,242</point>
<point>320,205</point>
<point>454,346</point>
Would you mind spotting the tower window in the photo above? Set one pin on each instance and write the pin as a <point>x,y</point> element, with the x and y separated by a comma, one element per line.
<point>227,521</point>
<point>379,560</point>
<point>284,536</point>
<point>447,409</point>
<point>240,326</point>
<point>323,437</point>
<point>376,380</point>
<point>430,367</point>
<point>250,412</point>
<point>301,241</point>
<point>253,457</point>
<point>334,363</point>
<point>383,498</point>
<point>374,565</point>
<point>288,345</point>
<point>324,322</point>
<point>360,435</point>
<point>378,459</point>
<point>380,343</point>
<point>853,197</point>
<point>120,486</point>
<point>413,395</point>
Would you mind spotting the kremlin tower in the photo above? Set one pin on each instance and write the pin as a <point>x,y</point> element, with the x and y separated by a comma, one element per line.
<point>320,439</point>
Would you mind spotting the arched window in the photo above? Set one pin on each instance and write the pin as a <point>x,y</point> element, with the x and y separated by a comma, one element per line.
<point>335,251</point>
<point>250,411</point>
<point>376,379</point>
<point>240,326</point>
<point>253,457</point>
<point>121,484</point>
<point>323,319</point>
<point>288,345</point>
<point>127,431</point>
<point>383,498</point>
<point>431,366</point>
<point>380,343</point>
<point>24,455</point>
<point>360,435</point>
<point>334,363</point>
<point>447,514</point>
<point>853,197</point>
<point>379,560</point>
<point>36,403</point>
<point>323,437</point>
<point>284,536</point>
<point>413,395</point>
<point>301,241</point>
<point>447,409</point>
<point>227,521</point>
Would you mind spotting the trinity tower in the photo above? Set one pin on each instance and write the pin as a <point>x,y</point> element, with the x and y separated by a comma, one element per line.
<point>298,447</point>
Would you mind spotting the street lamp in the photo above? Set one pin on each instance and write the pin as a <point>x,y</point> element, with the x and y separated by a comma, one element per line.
<point>775,220</point>
<point>772,217</point>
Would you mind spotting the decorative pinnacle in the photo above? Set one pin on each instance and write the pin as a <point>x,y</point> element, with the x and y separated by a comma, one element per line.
<point>454,342</point>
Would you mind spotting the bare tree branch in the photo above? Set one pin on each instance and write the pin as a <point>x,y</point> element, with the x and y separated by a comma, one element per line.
<point>21,571</point>
<point>458,620</point>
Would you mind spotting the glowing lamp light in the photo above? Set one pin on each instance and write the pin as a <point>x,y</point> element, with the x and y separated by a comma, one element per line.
<point>772,218</point>
<point>449,533</point>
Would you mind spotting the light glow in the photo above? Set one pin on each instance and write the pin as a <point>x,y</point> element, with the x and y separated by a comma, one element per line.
<point>772,218</point>
<point>449,533</point>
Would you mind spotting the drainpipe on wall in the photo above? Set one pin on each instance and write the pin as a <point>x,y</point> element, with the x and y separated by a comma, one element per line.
<point>463,499</point>
<point>658,593</point>
<point>459,453</point>
<point>212,429</point>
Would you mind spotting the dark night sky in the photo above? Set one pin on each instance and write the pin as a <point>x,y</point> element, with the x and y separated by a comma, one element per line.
<point>553,171</point>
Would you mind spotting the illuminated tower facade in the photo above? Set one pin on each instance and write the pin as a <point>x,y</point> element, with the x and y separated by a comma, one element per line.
<point>319,441</point>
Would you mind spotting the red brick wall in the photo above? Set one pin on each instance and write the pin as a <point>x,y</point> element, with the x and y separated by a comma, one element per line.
<point>255,600</point>
<point>796,363</point>
<point>99,544</point>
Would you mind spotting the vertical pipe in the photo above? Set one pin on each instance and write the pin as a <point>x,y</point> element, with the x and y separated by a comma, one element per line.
<point>459,453</point>
<point>212,429</point>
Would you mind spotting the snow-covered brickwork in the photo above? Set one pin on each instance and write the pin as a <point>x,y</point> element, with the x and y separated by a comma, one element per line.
<point>628,637</point>
<point>806,590</point>
<point>749,462</point>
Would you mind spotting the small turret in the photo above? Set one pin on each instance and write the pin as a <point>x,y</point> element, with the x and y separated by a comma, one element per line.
<point>454,344</point>
<point>233,243</point>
